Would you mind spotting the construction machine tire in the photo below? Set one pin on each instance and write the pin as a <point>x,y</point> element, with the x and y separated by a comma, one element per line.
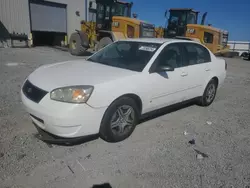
<point>75,44</point>
<point>104,42</point>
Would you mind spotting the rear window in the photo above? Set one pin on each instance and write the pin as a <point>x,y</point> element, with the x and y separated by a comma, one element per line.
<point>197,54</point>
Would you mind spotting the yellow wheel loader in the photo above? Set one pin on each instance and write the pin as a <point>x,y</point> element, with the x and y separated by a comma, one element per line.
<point>113,22</point>
<point>183,22</point>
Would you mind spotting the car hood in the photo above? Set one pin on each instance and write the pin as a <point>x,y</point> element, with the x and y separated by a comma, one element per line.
<point>76,72</point>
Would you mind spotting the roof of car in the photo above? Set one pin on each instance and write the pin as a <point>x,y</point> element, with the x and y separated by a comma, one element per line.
<point>155,40</point>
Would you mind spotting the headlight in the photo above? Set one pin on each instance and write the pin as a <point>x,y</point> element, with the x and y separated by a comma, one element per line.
<point>72,94</point>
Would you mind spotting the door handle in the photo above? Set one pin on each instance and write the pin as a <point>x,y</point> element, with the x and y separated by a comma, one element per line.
<point>208,69</point>
<point>184,74</point>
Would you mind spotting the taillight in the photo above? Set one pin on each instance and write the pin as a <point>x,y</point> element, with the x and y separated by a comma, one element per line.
<point>225,65</point>
<point>130,31</point>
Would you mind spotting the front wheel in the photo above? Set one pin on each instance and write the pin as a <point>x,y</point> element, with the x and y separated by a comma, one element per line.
<point>104,42</point>
<point>209,94</point>
<point>119,120</point>
<point>75,45</point>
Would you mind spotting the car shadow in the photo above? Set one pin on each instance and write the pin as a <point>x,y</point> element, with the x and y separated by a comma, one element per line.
<point>166,110</point>
<point>104,185</point>
<point>49,138</point>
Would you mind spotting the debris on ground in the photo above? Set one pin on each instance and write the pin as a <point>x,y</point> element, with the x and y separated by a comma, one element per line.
<point>209,122</point>
<point>70,169</point>
<point>192,142</point>
<point>200,155</point>
<point>88,156</point>
<point>185,133</point>
<point>1,155</point>
<point>81,165</point>
<point>12,64</point>
<point>21,156</point>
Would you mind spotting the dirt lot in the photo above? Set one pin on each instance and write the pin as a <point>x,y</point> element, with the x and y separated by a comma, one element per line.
<point>156,155</point>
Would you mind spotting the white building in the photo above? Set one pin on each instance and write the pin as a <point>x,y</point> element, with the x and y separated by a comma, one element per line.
<point>239,46</point>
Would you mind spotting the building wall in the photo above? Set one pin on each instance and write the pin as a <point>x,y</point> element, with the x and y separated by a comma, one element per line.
<point>74,21</point>
<point>14,15</point>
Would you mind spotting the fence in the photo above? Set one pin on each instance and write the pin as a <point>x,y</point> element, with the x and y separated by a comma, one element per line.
<point>239,46</point>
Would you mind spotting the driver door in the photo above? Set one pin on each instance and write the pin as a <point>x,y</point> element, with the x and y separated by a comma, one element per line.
<point>168,87</point>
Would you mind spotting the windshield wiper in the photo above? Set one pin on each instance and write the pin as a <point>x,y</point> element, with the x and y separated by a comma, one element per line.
<point>91,60</point>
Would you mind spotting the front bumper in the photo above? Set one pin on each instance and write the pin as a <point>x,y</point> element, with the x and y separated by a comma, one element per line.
<point>53,139</point>
<point>64,119</point>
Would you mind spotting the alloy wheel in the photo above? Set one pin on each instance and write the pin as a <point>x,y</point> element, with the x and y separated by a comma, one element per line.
<point>210,93</point>
<point>122,120</point>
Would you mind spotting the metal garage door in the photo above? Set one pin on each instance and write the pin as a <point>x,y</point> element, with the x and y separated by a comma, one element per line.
<point>47,16</point>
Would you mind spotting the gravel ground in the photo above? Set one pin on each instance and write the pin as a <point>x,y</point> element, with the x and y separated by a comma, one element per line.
<point>156,155</point>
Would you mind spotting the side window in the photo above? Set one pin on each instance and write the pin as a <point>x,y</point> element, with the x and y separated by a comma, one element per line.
<point>107,13</point>
<point>196,54</point>
<point>170,55</point>
<point>208,38</point>
<point>100,10</point>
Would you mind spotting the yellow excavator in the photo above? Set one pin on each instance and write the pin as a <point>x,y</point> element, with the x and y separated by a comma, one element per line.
<point>113,22</point>
<point>183,22</point>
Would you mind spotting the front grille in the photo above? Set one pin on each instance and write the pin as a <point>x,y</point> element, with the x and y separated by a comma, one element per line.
<point>32,92</point>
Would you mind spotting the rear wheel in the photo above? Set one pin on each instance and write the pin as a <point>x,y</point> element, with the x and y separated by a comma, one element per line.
<point>244,54</point>
<point>75,45</point>
<point>209,93</point>
<point>119,120</point>
<point>104,42</point>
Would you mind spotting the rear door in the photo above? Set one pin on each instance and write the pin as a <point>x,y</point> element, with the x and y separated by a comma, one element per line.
<point>168,87</point>
<point>198,59</point>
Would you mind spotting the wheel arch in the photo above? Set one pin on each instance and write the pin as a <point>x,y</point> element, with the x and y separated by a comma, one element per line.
<point>208,80</point>
<point>84,38</point>
<point>133,96</point>
<point>216,79</point>
<point>103,33</point>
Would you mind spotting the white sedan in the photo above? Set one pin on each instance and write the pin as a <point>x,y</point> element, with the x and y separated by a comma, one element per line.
<point>108,92</point>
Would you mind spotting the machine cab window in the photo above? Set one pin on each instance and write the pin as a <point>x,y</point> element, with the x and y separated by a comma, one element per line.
<point>120,10</point>
<point>208,37</point>
<point>191,18</point>
<point>109,8</point>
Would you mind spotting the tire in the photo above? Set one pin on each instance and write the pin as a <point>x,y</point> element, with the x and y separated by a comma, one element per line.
<point>244,54</point>
<point>204,100</point>
<point>119,106</point>
<point>75,45</point>
<point>104,42</point>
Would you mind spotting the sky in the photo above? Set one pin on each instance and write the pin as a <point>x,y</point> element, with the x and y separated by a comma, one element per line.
<point>230,15</point>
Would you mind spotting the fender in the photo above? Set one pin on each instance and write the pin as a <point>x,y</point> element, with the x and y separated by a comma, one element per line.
<point>84,38</point>
<point>110,33</point>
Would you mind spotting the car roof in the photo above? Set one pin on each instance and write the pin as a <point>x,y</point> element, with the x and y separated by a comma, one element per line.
<point>157,40</point>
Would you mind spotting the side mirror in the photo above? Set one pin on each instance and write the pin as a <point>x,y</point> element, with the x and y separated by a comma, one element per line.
<point>164,68</point>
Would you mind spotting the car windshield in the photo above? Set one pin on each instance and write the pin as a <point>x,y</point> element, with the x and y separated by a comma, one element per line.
<point>126,54</point>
